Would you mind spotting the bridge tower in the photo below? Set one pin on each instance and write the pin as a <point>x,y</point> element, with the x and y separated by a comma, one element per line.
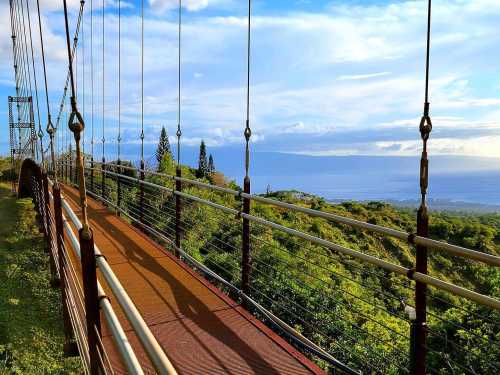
<point>22,131</point>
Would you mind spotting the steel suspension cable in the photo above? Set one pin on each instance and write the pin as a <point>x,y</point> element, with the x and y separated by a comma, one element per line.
<point>75,62</point>
<point>425,123</point>
<point>19,63</point>
<point>246,265</point>
<point>40,133</point>
<point>420,321</point>
<point>13,155</point>
<point>75,41</point>
<point>83,79</point>
<point>50,127</point>
<point>179,132</point>
<point>142,84</point>
<point>103,140</point>
<point>92,81</point>
<point>28,134</point>
<point>25,44</point>
<point>21,55</point>
<point>76,125</point>
<point>119,139</point>
<point>29,88</point>
<point>14,49</point>
<point>248,132</point>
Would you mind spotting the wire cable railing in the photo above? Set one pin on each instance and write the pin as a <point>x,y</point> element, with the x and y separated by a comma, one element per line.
<point>331,272</point>
<point>59,224</point>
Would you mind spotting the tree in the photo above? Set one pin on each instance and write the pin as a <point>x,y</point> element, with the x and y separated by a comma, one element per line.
<point>211,165</point>
<point>268,190</point>
<point>202,161</point>
<point>163,146</point>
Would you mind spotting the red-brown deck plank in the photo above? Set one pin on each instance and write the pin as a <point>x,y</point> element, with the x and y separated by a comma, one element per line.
<point>201,330</point>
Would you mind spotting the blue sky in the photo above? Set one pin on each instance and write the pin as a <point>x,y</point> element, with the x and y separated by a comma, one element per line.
<point>328,77</point>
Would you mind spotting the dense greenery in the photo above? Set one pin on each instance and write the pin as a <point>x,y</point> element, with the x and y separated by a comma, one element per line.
<point>31,335</point>
<point>354,310</point>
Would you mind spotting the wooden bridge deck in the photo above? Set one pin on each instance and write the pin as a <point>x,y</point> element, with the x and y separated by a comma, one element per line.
<point>201,330</point>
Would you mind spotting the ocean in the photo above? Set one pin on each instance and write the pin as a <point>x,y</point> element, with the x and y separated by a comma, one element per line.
<point>458,179</point>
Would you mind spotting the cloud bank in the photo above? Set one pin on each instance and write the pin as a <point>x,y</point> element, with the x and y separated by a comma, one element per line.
<point>329,79</point>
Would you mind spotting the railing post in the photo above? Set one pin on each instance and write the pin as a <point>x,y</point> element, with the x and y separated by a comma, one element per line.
<point>93,319</point>
<point>75,176</point>
<point>68,330</point>
<point>119,187</point>
<point>245,250</point>
<point>67,166</point>
<point>48,229</point>
<point>103,177</point>
<point>141,194</point>
<point>92,174</point>
<point>37,188</point>
<point>42,205</point>
<point>70,170</point>
<point>420,323</point>
<point>178,208</point>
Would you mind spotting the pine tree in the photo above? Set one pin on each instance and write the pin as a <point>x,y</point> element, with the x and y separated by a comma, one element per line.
<point>163,146</point>
<point>202,161</point>
<point>211,165</point>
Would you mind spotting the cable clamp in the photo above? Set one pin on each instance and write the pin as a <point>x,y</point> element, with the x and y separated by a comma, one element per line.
<point>247,133</point>
<point>75,122</point>
<point>425,123</point>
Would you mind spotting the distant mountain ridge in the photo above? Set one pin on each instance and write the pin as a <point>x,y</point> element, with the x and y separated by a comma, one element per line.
<point>471,180</point>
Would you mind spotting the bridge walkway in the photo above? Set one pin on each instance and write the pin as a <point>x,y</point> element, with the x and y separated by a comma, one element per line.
<point>201,330</point>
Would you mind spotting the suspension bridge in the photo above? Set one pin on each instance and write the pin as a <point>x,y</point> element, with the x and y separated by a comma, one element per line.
<point>144,290</point>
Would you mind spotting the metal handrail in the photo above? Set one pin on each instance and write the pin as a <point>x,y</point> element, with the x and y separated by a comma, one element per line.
<point>127,353</point>
<point>404,236</point>
<point>292,333</point>
<point>153,349</point>
<point>410,273</point>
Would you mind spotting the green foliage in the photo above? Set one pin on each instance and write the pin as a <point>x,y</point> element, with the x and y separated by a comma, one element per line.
<point>6,171</point>
<point>351,308</point>
<point>31,332</point>
<point>167,165</point>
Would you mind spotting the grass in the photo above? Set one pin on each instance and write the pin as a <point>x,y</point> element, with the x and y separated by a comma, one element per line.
<point>31,331</point>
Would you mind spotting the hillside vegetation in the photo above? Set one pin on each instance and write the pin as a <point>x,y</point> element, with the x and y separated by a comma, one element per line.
<point>354,310</point>
<point>31,335</point>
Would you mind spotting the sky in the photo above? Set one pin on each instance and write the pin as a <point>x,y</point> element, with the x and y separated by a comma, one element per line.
<point>328,77</point>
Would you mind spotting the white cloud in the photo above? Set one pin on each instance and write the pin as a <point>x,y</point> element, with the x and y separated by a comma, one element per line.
<point>351,68</point>
<point>487,146</point>
<point>353,77</point>
<point>162,6</point>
